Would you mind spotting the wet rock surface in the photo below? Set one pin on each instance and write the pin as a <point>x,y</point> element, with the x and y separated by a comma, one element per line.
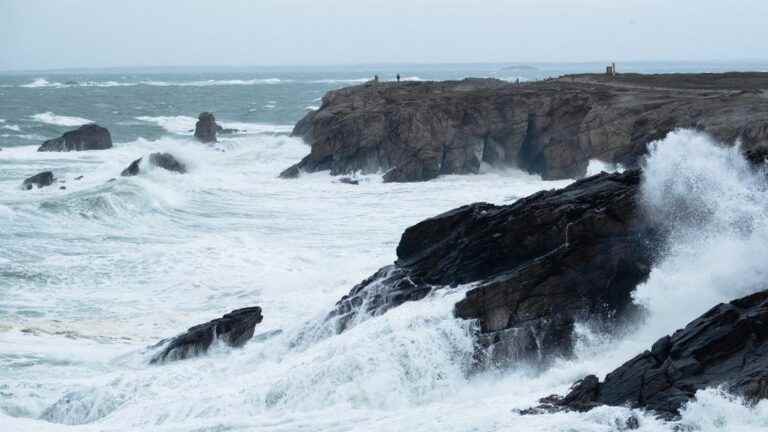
<point>206,127</point>
<point>163,160</point>
<point>38,180</point>
<point>416,131</point>
<point>538,265</point>
<point>727,346</point>
<point>88,137</point>
<point>233,329</point>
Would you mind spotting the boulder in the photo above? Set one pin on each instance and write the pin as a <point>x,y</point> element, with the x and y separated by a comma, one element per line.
<point>88,137</point>
<point>162,160</point>
<point>538,265</point>
<point>233,329</point>
<point>39,180</point>
<point>416,131</point>
<point>727,346</point>
<point>206,127</point>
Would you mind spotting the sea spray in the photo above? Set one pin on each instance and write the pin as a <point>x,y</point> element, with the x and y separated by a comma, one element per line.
<point>714,206</point>
<point>231,234</point>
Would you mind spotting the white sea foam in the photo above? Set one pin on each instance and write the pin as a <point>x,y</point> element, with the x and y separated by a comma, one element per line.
<point>110,267</point>
<point>15,128</point>
<point>41,82</point>
<point>597,166</point>
<point>183,125</point>
<point>60,120</point>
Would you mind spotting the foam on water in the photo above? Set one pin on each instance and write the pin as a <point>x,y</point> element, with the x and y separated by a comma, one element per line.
<point>185,125</point>
<point>60,120</point>
<point>98,272</point>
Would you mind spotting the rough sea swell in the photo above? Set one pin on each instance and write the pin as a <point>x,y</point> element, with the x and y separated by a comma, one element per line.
<point>93,275</point>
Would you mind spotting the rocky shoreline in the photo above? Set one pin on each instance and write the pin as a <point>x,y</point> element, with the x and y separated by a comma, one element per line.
<point>416,131</point>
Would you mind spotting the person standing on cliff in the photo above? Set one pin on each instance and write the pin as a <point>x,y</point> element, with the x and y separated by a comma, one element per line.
<point>398,77</point>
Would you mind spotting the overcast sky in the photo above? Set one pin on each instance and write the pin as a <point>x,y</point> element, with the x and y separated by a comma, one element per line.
<point>38,34</point>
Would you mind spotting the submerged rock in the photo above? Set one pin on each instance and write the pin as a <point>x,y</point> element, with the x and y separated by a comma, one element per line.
<point>88,137</point>
<point>417,131</point>
<point>727,346</point>
<point>538,265</point>
<point>163,160</point>
<point>233,329</point>
<point>348,180</point>
<point>206,127</point>
<point>42,179</point>
<point>226,131</point>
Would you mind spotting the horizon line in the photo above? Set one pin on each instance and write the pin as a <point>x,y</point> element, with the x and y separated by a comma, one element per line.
<point>373,64</point>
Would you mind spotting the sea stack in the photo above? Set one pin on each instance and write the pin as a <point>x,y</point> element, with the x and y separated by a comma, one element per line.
<point>205,128</point>
<point>87,137</point>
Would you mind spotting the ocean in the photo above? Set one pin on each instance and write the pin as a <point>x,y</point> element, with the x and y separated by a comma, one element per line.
<point>93,275</point>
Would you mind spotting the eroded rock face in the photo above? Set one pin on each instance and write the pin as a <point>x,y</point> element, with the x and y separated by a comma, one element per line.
<point>726,346</point>
<point>163,160</point>
<point>539,264</point>
<point>88,137</point>
<point>416,131</point>
<point>233,329</point>
<point>38,180</point>
<point>206,127</point>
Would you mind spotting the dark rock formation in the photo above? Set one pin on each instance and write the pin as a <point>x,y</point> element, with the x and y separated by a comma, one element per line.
<point>42,179</point>
<point>206,127</point>
<point>539,264</point>
<point>162,160</point>
<point>132,169</point>
<point>291,172</point>
<point>418,130</point>
<point>348,180</point>
<point>88,137</point>
<point>726,346</point>
<point>233,329</point>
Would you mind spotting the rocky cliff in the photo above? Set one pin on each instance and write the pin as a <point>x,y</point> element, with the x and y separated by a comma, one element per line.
<point>415,131</point>
<point>539,265</point>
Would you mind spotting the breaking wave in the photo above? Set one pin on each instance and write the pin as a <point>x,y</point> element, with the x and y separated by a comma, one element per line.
<point>60,120</point>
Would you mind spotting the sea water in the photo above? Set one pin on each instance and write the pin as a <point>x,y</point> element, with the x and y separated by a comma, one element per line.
<point>92,275</point>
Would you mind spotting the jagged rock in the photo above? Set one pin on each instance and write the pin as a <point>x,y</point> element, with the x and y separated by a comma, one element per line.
<point>291,172</point>
<point>206,127</point>
<point>42,179</point>
<point>726,346</point>
<point>233,329</point>
<point>87,137</point>
<point>132,169</point>
<point>416,131</point>
<point>162,160</point>
<point>539,265</point>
